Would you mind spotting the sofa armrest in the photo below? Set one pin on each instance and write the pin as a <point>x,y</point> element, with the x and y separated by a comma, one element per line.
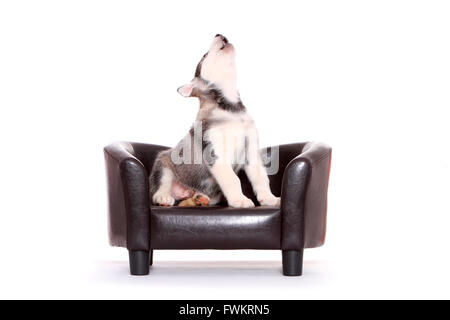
<point>304,198</point>
<point>128,193</point>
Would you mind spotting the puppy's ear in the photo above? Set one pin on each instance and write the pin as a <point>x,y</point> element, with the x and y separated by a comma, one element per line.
<point>186,90</point>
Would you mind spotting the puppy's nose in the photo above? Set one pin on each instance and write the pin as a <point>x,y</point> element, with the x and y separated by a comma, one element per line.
<point>223,38</point>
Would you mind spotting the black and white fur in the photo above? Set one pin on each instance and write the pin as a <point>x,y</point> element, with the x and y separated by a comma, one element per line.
<point>228,140</point>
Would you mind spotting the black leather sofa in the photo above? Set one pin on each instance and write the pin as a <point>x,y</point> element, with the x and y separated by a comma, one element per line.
<point>300,222</point>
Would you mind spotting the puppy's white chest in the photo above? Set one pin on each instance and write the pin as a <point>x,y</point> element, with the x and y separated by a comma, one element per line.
<point>230,137</point>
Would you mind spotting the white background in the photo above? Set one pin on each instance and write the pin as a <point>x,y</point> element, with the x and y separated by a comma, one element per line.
<point>370,78</point>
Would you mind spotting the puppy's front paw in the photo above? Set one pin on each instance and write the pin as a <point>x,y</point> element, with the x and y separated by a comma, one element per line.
<point>269,200</point>
<point>163,199</point>
<point>241,202</point>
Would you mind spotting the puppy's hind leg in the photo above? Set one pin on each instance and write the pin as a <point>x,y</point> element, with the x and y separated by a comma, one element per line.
<point>163,195</point>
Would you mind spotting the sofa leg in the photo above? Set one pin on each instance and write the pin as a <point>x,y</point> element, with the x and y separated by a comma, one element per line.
<point>139,262</point>
<point>292,262</point>
<point>151,257</point>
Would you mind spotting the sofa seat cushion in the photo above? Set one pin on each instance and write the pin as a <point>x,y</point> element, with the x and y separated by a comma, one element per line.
<point>215,228</point>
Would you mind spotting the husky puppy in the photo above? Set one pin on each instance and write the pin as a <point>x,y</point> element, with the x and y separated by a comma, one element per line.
<point>222,141</point>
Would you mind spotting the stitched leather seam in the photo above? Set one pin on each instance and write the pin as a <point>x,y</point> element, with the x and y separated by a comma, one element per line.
<point>112,156</point>
<point>326,155</point>
<point>321,158</point>
<point>122,150</point>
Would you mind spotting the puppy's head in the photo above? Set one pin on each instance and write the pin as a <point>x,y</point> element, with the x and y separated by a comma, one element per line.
<point>218,68</point>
